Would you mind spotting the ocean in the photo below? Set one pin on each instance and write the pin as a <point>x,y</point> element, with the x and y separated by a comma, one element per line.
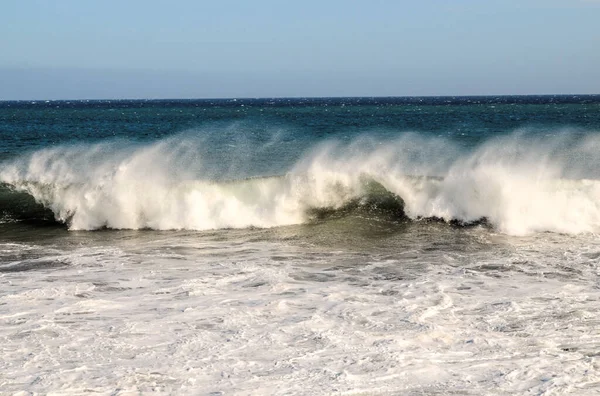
<point>376,246</point>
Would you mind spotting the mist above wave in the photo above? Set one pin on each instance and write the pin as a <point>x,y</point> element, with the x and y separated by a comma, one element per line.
<point>520,183</point>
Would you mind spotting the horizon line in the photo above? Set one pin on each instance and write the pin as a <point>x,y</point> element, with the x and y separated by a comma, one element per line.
<point>297,97</point>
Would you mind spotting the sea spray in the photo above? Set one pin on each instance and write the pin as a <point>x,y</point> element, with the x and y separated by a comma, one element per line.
<point>518,183</point>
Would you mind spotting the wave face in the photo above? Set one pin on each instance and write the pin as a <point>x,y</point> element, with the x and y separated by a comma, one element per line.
<point>519,184</point>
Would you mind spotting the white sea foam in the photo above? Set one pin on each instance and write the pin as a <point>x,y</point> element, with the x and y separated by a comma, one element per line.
<point>192,314</point>
<point>518,183</point>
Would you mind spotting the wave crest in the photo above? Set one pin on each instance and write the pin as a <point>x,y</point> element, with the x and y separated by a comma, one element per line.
<point>519,184</point>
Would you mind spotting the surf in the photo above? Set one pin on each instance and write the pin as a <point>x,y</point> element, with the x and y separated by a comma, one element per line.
<point>518,184</point>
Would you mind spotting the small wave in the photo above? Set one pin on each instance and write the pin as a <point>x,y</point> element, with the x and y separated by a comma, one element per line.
<point>518,184</point>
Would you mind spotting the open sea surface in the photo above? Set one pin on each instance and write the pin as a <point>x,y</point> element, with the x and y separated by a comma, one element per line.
<point>354,246</point>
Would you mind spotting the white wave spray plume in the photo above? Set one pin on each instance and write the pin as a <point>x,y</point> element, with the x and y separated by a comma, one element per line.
<point>518,183</point>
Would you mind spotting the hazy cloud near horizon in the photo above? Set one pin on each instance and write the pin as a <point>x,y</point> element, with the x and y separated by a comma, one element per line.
<point>56,84</point>
<point>189,49</point>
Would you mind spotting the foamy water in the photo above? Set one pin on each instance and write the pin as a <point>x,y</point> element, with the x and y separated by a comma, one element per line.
<point>278,312</point>
<point>518,184</point>
<point>303,247</point>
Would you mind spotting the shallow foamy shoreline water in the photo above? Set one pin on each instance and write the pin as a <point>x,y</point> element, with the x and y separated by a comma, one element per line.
<point>277,313</point>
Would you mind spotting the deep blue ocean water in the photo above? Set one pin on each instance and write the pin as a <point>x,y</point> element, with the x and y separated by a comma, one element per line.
<point>26,126</point>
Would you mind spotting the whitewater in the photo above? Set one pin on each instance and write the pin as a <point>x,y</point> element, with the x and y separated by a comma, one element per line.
<point>518,184</point>
<point>327,246</point>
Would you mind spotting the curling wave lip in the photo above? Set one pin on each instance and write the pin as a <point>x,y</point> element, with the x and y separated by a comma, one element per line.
<point>518,184</point>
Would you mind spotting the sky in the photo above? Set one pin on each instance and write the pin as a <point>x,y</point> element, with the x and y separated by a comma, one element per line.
<point>73,49</point>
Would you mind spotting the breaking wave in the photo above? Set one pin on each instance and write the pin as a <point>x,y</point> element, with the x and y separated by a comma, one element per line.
<point>519,184</point>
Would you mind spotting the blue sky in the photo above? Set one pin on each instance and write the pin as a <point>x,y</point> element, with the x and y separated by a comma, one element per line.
<point>67,49</point>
